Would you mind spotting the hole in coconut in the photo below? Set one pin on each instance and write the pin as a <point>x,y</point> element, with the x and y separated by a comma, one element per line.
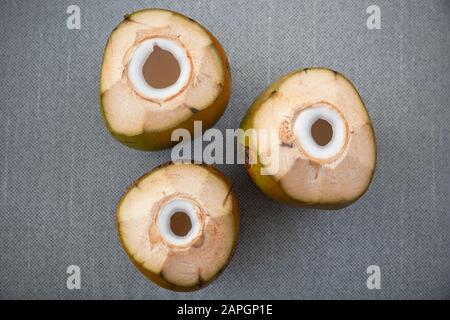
<point>161,69</point>
<point>322,132</point>
<point>179,221</point>
<point>180,224</point>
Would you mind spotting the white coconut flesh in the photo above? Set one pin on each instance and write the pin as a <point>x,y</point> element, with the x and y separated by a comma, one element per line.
<point>140,56</point>
<point>131,106</point>
<point>144,223</point>
<point>308,172</point>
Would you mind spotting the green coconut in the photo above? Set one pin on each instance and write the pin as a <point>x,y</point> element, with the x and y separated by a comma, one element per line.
<point>179,225</point>
<point>321,152</point>
<point>143,116</point>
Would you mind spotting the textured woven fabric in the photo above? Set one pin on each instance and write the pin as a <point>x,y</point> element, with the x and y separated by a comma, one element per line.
<point>61,173</point>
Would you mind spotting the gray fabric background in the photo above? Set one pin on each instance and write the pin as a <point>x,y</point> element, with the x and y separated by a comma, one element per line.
<point>61,173</point>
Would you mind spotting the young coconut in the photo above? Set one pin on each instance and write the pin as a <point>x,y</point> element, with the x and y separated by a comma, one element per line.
<point>161,71</point>
<point>321,151</point>
<point>179,225</point>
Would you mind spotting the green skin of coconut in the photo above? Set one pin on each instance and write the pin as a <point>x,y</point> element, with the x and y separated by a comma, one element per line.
<point>157,140</point>
<point>266,183</point>
<point>159,279</point>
